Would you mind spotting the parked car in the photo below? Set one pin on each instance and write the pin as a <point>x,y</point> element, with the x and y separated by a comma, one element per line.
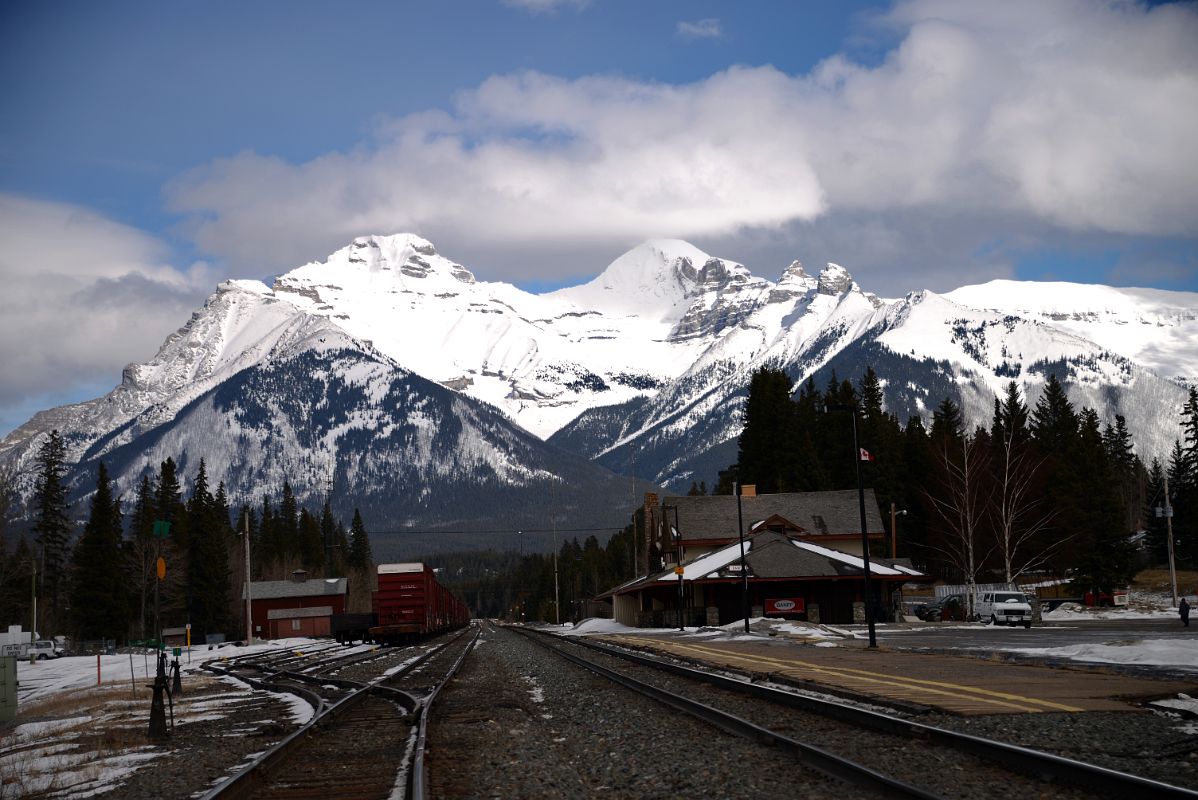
<point>1011,608</point>
<point>44,649</point>
<point>949,607</point>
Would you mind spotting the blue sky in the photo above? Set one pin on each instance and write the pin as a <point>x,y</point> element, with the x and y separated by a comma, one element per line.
<point>149,150</point>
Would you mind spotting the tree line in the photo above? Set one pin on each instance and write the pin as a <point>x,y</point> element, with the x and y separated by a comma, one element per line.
<point>101,584</point>
<point>1047,489</point>
<point>513,586</point>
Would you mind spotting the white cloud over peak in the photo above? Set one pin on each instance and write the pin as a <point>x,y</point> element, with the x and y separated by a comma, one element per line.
<point>1070,116</point>
<point>709,28</point>
<point>546,6</point>
<point>83,295</point>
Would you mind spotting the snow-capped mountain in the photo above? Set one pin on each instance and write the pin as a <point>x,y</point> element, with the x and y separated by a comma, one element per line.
<point>642,370</point>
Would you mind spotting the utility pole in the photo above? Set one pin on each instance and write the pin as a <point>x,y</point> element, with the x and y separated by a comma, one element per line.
<point>1168,511</point>
<point>249,614</point>
<point>557,606</point>
<point>33,616</point>
<point>744,570</point>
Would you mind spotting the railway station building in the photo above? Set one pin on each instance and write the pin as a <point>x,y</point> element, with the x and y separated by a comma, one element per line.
<point>300,606</point>
<point>802,554</point>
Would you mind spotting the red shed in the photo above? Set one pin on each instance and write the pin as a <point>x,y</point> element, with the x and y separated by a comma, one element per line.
<point>301,606</point>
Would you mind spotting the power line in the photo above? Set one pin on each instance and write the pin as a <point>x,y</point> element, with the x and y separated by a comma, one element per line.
<point>613,528</point>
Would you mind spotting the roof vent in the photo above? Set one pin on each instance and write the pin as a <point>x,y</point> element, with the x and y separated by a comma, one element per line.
<point>820,525</point>
<point>299,575</point>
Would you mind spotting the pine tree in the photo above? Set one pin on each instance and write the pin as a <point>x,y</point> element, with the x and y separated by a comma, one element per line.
<point>1106,555</point>
<point>766,446</point>
<point>311,549</point>
<point>359,544</point>
<point>51,525</point>
<point>99,604</point>
<point>1054,422</point>
<point>209,536</point>
<point>1156,528</point>
<point>288,523</point>
<point>141,556</point>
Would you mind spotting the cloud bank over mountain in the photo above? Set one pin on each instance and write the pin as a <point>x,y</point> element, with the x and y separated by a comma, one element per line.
<point>1072,117</point>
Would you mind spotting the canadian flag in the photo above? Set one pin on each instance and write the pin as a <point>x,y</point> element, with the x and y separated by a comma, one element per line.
<point>865,455</point>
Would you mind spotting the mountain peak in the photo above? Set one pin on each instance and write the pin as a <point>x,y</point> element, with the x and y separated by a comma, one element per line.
<point>834,280</point>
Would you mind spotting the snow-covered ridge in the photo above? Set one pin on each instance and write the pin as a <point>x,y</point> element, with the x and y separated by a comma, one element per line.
<point>1155,328</point>
<point>666,336</point>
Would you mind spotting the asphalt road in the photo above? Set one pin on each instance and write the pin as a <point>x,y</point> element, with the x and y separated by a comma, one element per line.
<point>949,635</point>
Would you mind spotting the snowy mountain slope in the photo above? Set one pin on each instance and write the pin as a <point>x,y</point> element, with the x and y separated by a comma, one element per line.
<point>239,325</point>
<point>923,347</point>
<point>642,369</point>
<point>412,455</point>
<point>542,359</point>
<point>1156,329</point>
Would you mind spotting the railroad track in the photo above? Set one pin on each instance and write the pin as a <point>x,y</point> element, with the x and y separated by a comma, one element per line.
<point>366,738</point>
<point>882,753</point>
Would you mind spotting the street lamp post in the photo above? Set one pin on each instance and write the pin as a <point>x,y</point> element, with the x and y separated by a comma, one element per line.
<point>744,571</point>
<point>869,611</point>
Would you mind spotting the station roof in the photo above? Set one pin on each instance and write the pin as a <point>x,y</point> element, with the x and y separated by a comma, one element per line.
<point>313,587</point>
<point>832,514</point>
<point>772,555</point>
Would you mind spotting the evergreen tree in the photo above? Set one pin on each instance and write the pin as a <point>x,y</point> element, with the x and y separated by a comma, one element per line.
<point>209,540</point>
<point>947,422</point>
<point>1156,527</point>
<point>141,558</point>
<point>99,607</point>
<point>1054,422</point>
<point>169,508</point>
<point>359,544</point>
<point>311,548</point>
<point>766,455</point>
<point>288,523</point>
<point>1106,555</point>
<point>51,526</point>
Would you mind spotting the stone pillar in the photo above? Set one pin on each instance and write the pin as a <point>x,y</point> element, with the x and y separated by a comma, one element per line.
<point>813,613</point>
<point>713,616</point>
<point>858,611</point>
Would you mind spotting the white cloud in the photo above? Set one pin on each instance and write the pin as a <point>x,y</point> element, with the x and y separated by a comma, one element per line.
<point>83,296</point>
<point>701,29</point>
<point>1072,116</point>
<point>546,6</point>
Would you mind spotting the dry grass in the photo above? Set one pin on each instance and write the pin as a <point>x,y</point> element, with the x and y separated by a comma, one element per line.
<point>1157,580</point>
<point>85,732</point>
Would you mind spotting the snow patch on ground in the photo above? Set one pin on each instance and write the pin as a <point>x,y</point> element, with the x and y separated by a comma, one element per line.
<point>1181,653</point>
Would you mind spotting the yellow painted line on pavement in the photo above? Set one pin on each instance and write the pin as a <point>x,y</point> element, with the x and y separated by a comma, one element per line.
<point>919,685</point>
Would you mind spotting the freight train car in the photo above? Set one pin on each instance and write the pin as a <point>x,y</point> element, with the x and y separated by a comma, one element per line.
<point>409,603</point>
<point>348,628</point>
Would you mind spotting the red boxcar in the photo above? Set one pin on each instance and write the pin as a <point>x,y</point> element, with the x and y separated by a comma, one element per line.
<point>410,603</point>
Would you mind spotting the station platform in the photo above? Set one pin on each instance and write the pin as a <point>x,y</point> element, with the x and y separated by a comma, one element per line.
<point>965,685</point>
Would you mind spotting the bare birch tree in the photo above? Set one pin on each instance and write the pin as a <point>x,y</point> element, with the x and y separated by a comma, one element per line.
<point>961,504</point>
<point>1020,515</point>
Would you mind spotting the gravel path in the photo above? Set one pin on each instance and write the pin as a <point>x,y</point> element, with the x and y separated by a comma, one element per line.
<point>520,722</point>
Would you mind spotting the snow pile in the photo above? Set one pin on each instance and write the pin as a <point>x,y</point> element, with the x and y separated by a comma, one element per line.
<point>1179,653</point>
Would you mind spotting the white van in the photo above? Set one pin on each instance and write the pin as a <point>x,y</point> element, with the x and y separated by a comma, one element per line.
<point>1004,606</point>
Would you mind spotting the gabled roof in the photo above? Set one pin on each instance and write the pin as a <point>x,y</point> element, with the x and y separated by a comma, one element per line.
<point>817,513</point>
<point>773,555</point>
<point>313,587</point>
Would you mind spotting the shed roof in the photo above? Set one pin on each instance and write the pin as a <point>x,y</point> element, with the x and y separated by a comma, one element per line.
<point>313,587</point>
<point>818,513</point>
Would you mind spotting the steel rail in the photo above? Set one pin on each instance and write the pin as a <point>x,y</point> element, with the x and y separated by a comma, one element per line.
<point>1035,763</point>
<point>809,755</point>
<point>417,776</point>
<point>255,774</point>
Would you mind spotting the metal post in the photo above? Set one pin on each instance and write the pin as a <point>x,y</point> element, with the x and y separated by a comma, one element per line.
<point>869,611</point>
<point>744,570</point>
<point>33,617</point>
<point>677,535</point>
<point>557,610</point>
<point>249,613</point>
<point>1169,531</point>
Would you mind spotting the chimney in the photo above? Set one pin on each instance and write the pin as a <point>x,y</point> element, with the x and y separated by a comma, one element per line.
<point>299,575</point>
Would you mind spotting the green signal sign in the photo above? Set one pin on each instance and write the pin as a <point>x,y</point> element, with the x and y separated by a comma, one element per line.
<point>162,528</point>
